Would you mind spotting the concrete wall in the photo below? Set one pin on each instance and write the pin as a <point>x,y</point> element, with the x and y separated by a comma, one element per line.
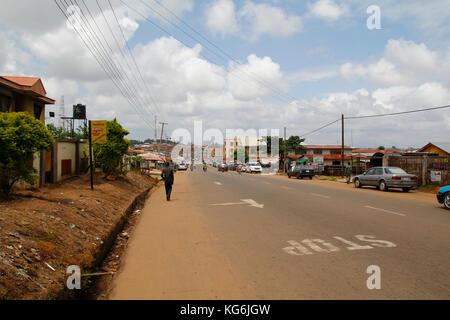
<point>67,150</point>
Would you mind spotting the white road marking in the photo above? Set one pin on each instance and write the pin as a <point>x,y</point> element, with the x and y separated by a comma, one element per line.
<point>250,202</point>
<point>320,195</point>
<point>218,183</point>
<point>227,204</point>
<point>387,211</point>
<point>311,246</point>
<point>286,188</point>
<point>253,203</point>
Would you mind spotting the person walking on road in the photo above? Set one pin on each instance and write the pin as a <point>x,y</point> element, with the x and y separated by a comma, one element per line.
<point>168,177</point>
<point>348,173</point>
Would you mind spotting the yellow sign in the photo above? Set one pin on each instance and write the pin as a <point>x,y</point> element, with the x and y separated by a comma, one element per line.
<point>98,132</point>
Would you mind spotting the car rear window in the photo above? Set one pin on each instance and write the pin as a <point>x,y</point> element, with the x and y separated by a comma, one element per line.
<point>394,171</point>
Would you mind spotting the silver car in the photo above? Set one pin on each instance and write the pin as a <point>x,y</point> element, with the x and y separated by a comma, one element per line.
<point>386,177</point>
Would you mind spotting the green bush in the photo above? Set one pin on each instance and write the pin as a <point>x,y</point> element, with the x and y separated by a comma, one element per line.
<point>109,155</point>
<point>21,136</point>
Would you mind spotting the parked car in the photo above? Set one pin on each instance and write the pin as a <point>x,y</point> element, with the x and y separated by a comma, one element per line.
<point>301,171</point>
<point>254,167</point>
<point>443,196</point>
<point>222,167</point>
<point>386,177</point>
<point>182,167</point>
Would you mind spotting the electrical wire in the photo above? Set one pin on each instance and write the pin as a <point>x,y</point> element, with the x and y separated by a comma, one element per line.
<point>395,113</point>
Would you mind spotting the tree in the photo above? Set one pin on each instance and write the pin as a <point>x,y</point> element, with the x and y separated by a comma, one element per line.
<point>381,148</point>
<point>21,136</point>
<point>58,132</point>
<point>292,144</point>
<point>109,155</point>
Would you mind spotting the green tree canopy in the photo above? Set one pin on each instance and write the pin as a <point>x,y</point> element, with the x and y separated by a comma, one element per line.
<point>21,136</point>
<point>109,155</point>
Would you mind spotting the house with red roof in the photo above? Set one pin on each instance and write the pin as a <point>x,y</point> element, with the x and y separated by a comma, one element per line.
<point>24,94</point>
<point>27,94</point>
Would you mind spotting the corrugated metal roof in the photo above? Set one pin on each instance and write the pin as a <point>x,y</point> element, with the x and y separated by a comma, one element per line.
<point>443,145</point>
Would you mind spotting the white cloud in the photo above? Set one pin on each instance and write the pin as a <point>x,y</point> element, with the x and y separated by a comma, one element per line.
<point>327,9</point>
<point>265,19</point>
<point>221,17</point>
<point>258,78</point>
<point>403,63</point>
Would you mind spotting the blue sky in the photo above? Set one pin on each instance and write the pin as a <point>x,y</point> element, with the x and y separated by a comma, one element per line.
<point>317,58</point>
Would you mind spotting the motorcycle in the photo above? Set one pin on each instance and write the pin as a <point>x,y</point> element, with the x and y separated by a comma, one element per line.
<point>205,168</point>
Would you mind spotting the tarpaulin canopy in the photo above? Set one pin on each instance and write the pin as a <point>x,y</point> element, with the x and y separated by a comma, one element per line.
<point>302,161</point>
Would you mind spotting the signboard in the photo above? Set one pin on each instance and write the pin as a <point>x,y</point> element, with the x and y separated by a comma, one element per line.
<point>98,131</point>
<point>435,176</point>
<point>318,159</point>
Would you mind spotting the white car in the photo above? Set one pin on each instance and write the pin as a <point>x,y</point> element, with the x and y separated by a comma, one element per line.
<point>253,167</point>
<point>182,167</point>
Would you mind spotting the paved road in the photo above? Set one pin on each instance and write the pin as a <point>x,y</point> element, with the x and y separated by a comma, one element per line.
<point>230,236</point>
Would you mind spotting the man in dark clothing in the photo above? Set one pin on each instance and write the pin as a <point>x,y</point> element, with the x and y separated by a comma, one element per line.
<point>167,176</point>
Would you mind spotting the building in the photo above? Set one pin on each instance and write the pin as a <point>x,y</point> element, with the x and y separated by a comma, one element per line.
<point>325,155</point>
<point>24,94</point>
<point>441,148</point>
<point>27,94</point>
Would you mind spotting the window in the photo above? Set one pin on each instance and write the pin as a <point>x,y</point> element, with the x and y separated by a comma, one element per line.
<point>378,171</point>
<point>5,103</point>
<point>37,111</point>
<point>335,152</point>
<point>319,151</point>
<point>370,172</point>
<point>336,163</point>
<point>394,171</point>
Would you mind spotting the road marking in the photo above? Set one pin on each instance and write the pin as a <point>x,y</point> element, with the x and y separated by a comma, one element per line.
<point>250,202</point>
<point>265,182</point>
<point>387,211</point>
<point>286,188</point>
<point>218,183</point>
<point>253,203</point>
<point>311,246</point>
<point>320,195</point>
<point>227,204</point>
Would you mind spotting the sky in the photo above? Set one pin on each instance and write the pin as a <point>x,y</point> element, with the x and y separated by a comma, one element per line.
<point>241,64</point>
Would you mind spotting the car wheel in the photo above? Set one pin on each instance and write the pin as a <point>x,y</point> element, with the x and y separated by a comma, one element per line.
<point>406,189</point>
<point>382,185</point>
<point>358,183</point>
<point>289,176</point>
<point>447,200</point>
<point>310,178</point>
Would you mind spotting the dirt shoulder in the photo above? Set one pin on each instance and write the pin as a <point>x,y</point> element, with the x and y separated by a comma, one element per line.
<point>43,231</point>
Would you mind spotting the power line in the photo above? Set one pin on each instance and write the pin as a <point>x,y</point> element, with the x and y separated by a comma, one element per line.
<point>132,55</point>
<point>116,67</point>
<point>195,39</point>
<point>267,84</point>
<point>318,129</point>
<point>91,41</point>
<point>396,113</point>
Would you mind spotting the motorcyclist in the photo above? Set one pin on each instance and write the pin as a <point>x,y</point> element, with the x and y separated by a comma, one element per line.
<point>204,167</point>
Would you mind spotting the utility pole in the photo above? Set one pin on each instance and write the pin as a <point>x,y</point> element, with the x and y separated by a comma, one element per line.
<point>156,128</point>
<point>343,146</point>
<point>162,131</point>
<point>285,152</point>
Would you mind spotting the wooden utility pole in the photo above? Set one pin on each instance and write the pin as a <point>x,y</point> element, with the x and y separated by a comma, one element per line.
<point>343,146</point>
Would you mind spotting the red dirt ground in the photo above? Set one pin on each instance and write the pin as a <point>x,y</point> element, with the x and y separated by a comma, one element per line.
<point>58,226</point>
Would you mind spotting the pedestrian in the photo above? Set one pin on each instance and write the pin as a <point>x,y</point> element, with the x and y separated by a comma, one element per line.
<point>168,177</point>
<point>348,173</point>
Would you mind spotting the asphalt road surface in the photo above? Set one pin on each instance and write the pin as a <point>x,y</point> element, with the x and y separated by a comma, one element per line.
<point>230,236</point>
